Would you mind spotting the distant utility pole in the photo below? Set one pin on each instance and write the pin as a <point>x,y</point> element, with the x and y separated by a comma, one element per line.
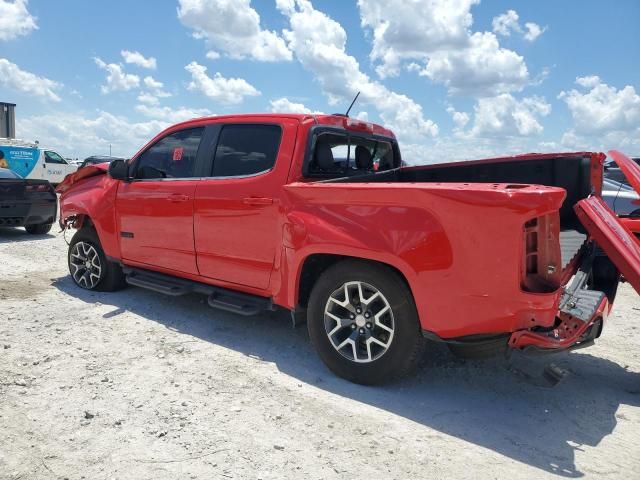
<point>109,149</point>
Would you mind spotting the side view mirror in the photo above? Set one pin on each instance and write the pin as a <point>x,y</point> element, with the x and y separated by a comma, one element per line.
<point>119,170</point>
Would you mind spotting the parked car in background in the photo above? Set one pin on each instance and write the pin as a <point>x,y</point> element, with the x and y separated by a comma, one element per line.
<point>30,160</point>
<point>621,198</point>
<point>96,159</point>
<point>27,203</point>
<point>318,214</point>
<point>612,171</point>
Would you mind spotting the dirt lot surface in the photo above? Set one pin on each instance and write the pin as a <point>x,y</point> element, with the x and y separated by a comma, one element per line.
<point>135,385</point>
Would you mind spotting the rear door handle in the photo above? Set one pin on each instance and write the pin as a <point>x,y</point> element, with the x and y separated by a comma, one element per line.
<point>178,197</point>
<point>257,201</point>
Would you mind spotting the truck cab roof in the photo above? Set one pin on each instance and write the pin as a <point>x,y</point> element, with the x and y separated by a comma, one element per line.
<point>336,120</point>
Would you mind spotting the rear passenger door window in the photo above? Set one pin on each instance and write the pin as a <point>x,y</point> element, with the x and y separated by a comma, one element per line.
<point>173,156</point>
<point>245,150</point>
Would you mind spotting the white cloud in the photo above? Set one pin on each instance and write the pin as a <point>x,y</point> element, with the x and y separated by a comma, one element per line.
<point>117,79</point>
<point>212,55</point>
<point>172,115</point>
<point>434,38</point>
<point>148,99</point>
<point>136,58</point>
<point>156,87</point>
<point>509,22</point>
<point>533,31</point>
<point>15,19</point>
<point>413,30</point>
<point>155,91</point>
<point>219,88</point>
<point>318,42</point>
<point>482,68</point>
<point>456,148</point>
<point>13,77</point>
<point>152,83</point>
<point>503,24</point>
<point>232,27</point>
<point>460,119</point>
<point>81,135</point>
<point>589,81</point>
<point>284,105</point>
<point>602,109</point>
<point>504,116</point>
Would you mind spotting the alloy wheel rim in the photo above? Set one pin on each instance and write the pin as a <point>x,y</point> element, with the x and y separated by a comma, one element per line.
<point>86,268</point>
<point>358,321</point>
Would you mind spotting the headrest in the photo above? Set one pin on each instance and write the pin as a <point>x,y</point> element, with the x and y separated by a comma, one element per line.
<point>323,156</point>
<point>386,162</point>
<point>364,159</point>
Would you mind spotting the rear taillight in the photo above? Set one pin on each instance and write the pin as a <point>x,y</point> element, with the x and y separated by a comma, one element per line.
<point>541,258</point>
<point>40,187</point>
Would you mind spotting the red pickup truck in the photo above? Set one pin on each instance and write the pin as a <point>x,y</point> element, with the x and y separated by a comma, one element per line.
<point>318,214</point>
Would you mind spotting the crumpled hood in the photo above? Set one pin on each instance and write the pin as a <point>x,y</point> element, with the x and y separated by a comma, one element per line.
<point>86,172</point>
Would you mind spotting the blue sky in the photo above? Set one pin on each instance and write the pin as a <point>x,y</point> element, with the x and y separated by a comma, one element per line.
<point>454,79</point>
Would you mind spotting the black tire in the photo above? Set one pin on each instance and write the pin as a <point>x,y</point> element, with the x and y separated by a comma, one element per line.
<point>405,346</point>
<point>605,277</point>
<point>110,277</point>
<point>38,228</point>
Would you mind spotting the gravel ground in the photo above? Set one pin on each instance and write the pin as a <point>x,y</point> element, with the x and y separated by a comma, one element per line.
<point>135,385</point>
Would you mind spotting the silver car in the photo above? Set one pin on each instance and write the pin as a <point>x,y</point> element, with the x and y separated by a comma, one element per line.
<point>612,171</point>
<point>621,198</point>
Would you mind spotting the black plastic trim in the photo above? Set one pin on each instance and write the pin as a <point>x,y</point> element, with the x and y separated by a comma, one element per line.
<point>219,297</point>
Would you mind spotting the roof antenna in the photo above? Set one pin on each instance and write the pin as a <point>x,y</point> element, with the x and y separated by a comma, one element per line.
<point>350,106</point>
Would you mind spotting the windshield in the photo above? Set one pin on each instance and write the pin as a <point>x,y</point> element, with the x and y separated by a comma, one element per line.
<point>340,154</point>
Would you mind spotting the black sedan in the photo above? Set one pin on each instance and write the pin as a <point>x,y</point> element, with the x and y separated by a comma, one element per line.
<point>95,159</point>
<point>31,204</point>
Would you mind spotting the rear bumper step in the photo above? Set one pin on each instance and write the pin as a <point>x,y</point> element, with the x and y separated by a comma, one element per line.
<point>581,313</point>
<point>220,298</point>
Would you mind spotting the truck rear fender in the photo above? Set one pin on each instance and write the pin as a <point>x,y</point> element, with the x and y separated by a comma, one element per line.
<point>445,241</point>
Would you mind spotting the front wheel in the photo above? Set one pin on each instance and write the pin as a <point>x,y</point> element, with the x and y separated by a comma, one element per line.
<point>38,228</point>
<point>363,322</point>
<point>89,266</point>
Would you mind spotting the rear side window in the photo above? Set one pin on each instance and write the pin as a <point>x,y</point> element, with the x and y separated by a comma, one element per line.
<point>246,150</point>
<point>338,155</point>
<point>173,156</point>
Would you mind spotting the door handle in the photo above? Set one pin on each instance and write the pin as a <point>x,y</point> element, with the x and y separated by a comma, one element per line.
<point>257,201</point>
<point>177,197</point>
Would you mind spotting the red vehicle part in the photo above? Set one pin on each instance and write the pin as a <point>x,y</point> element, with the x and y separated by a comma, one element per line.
<point>462,247</point>
<point>621,246</point>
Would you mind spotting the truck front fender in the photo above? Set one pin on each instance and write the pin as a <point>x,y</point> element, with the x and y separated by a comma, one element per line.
<point>93,198</point>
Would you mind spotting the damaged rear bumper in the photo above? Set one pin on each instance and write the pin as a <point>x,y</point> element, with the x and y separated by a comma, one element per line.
<point>580,318</point>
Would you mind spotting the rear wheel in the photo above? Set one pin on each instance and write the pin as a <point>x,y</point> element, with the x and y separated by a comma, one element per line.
<point>89,266</point>
<point>363,322</point>
<point>38,228</point>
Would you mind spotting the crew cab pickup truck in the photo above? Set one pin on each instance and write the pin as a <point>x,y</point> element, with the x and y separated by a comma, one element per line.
<point>318,214</point>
